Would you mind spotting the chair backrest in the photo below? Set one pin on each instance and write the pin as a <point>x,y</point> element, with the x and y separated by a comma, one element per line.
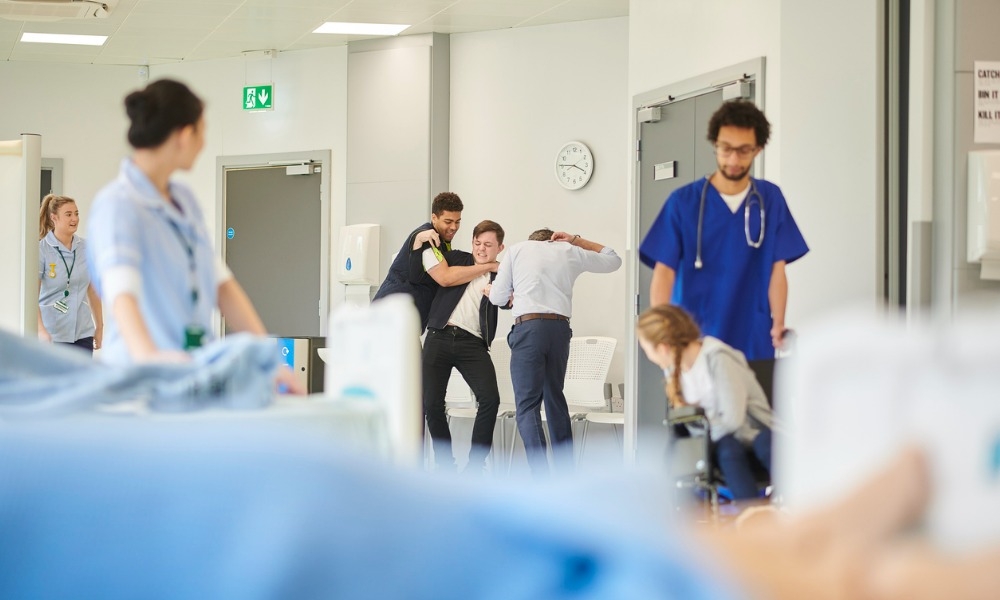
<point>587,370</point>
<point>459,394</point>
<point>500,353</point>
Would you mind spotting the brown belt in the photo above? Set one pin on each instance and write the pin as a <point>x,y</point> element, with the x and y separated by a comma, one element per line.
<point>532,316</point>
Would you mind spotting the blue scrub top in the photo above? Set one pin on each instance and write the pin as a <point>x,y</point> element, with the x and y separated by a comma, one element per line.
<point>77,322</point>
<point>728,295</point>
<point>132,225</point>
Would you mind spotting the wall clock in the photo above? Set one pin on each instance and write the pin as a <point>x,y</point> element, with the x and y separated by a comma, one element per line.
<point>574,165</point>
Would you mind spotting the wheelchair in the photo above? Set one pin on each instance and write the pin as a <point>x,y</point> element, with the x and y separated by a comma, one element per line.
<point>690,453</point>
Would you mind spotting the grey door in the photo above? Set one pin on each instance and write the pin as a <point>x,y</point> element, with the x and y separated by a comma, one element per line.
<point>275,249</point>
<point>678,136</point>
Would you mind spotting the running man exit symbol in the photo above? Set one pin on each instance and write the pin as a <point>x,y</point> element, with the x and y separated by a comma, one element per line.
<point>258,97</point>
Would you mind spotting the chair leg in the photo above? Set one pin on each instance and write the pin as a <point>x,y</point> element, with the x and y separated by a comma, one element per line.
<point>583,438</point>
<point>618,440</point>
<point>510,454</point>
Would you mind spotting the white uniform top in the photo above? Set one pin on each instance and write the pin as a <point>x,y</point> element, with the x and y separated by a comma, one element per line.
<point>77,322</point>
<point>157,251</point>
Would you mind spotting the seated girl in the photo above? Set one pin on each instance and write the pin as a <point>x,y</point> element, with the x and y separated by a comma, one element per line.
<point>705,372</point>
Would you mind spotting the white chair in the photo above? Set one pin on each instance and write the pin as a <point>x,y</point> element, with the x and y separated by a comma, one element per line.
<point>586,376</point>
<point>604,418</point>
<point>586,385</point>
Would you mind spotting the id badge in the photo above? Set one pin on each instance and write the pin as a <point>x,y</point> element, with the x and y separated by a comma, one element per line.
<point>194,337</point>
<point>61,307</point>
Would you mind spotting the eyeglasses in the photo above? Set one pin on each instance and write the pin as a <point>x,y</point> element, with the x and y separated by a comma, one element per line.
<point>743,151</point>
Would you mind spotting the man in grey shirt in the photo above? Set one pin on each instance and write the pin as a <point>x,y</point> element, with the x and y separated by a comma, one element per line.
<point>538,276</point>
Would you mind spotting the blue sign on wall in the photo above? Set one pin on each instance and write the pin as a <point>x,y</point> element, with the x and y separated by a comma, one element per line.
<point>348,263</point>
<point>230,233</point>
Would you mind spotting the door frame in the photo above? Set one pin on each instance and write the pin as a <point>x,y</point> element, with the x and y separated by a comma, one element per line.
<point>55,166</point>
<point>751,70</point>
<point>321,158</point>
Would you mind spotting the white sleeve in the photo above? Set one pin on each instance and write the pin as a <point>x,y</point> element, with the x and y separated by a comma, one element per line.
<point>222,272</point>
<point>120,279</point>
<point>429,259</point>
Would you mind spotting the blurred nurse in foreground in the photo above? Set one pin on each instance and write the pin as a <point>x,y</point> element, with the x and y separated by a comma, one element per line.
<point>152,257</point>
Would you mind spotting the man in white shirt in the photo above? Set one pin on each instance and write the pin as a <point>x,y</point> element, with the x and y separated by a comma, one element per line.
<point>462,324</point>
<point>537,276</point>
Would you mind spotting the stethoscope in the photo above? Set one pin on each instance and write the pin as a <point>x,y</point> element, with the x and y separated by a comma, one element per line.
<point>746,218</point>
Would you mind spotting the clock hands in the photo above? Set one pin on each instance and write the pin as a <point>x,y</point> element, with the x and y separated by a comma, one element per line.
<point>569,165</point>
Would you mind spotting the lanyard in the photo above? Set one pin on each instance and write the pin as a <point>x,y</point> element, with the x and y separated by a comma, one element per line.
<point>192,269</point>
<point>69,268</point>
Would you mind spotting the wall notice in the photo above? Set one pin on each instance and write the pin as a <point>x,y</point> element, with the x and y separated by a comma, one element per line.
<point>987,102</point>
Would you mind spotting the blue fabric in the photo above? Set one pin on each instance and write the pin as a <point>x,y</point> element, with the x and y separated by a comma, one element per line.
<point>132,225</point>
<point>255,510</point>
<point>78,322</point>
<point>40,380</point>
<point>728,295</point>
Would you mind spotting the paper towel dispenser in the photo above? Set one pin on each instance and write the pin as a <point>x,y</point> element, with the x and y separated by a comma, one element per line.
<point>359,254</point>
<point>984,212</point>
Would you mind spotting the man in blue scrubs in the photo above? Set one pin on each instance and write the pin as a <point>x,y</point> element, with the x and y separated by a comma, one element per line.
<point>720,244</point>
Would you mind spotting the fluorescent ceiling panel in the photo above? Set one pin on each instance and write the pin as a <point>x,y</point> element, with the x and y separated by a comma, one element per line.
<point>64,38</point>
<point>360,28</point>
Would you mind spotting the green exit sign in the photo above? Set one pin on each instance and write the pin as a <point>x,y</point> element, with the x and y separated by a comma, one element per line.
<point>258,97</point>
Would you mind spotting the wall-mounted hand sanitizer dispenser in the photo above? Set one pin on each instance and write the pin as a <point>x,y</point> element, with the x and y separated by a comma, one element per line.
<point>358,260</point>
<point>984,212</point>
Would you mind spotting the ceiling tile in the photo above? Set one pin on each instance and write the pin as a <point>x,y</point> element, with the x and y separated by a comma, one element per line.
<point>155,31</point>
<point>580,10</point>
<point>51,57</point>
<point>524,9</point>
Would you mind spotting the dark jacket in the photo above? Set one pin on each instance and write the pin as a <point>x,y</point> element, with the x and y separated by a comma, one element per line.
<point>447,298</point>
<point>397,281</point>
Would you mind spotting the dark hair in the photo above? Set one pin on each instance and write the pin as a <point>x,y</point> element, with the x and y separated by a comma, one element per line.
<point>743,114</point>
<point>50,206</point>
<point>157,111</point>
<point>541,235</point>
<point>446,201</point>
<point>488,225</point>
<point>673,326</point>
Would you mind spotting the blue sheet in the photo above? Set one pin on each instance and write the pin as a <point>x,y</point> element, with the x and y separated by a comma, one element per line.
<point>42,380</point>
<point>140,509</point>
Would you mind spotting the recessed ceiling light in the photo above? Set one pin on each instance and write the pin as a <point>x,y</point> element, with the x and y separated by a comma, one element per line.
<point>360,28</point>
<point>63,38</point>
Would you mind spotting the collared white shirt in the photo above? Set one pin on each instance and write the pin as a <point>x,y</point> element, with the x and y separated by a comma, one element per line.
<point>540,275</point>
<point>139,245</point>
<point>78,320</point>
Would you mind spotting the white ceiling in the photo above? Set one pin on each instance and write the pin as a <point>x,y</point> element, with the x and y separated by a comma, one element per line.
<point>149,32</point>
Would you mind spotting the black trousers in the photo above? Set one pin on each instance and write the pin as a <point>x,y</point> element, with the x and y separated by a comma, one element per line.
<point>443,350</point>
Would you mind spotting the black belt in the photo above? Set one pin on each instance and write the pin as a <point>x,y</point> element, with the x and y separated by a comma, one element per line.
<point>533,316</point>
<point>451,330</point>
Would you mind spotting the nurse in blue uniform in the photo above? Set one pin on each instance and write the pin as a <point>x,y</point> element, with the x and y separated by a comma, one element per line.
<point>153,261</point>
<point>69,309</point>
<point>720,244</point>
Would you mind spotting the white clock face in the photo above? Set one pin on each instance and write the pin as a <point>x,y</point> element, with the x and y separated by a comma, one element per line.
<point>574,165</point>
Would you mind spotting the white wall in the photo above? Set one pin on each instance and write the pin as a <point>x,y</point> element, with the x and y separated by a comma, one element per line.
<point>78,111</point>
<point>310,108</point>
<point>517,96</point>
<point>828,122</point>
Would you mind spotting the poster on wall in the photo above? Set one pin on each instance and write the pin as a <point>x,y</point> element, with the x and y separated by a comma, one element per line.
<point>987,102</point>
